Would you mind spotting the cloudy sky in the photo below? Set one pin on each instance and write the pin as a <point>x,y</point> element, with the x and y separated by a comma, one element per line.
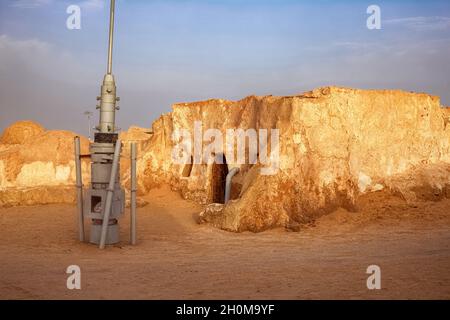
<point>172,51</point>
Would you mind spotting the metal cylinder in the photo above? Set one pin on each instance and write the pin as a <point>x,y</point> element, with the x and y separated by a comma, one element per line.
<point>133,195</point>
<point>108,96</point>
<point>230,176</point>
<point>111,34</point>
<point>79,185</point>
<point>109,195</point>
<point>108,101</point>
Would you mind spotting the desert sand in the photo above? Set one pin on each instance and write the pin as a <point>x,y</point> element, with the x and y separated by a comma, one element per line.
<point>176,258</point>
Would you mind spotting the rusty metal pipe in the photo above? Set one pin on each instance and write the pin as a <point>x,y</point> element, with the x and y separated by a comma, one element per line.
<point>230,176</point>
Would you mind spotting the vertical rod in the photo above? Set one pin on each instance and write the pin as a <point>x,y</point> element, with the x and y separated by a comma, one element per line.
<point>79,184</point>
<point>133,195</point>
<point>109,195</point>
<point>230,176</point>
<point>111,34</point>
<point>90,126</point>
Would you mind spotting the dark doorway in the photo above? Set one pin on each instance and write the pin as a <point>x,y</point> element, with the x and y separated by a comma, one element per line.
<point>219,176</point>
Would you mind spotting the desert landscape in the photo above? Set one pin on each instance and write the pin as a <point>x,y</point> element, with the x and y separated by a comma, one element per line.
<point>362,178</point>
<point>175,258</point>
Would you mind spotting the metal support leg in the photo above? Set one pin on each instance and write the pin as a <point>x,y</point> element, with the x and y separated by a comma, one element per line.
<point>79,184</point>
<point>133,195</point>
<point>109,195</point>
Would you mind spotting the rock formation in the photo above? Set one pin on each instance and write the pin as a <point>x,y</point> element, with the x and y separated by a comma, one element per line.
<point>21,132</point>
<point>37,166</point>
<point>335,144</point>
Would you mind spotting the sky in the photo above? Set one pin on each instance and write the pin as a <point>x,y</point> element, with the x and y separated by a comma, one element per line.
<point>179,51</point>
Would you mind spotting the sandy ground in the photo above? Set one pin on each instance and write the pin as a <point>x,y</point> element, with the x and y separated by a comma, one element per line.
<point>177,259</point>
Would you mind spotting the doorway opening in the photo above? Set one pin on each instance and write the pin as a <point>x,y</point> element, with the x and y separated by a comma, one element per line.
<point>219,176</point>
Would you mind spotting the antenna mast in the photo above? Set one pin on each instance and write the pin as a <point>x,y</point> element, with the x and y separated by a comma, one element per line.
<point>111,36</point>
<point>107,96</point>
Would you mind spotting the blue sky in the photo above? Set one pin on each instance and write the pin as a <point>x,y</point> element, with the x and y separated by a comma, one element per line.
<point>173,51</point>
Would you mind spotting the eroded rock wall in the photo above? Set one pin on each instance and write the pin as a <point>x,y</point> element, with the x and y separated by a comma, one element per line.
<point>37,165</point>
<point>335,144</point>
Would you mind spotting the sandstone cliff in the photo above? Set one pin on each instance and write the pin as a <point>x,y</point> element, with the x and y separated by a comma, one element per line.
<point>37,166</point>
<point>335,144</point>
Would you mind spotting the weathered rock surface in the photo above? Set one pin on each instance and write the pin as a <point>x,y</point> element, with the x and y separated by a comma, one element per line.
<point>335,144</point>
<point>134,134</point>
<point>37,166</point>
<point>20,132</point>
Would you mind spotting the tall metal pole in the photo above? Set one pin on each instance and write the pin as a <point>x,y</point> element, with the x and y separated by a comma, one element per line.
<point>133,195</point>
<point>79,183</point>
<point>111,33</point>
<point>108,98</point>
<point>109,195</point>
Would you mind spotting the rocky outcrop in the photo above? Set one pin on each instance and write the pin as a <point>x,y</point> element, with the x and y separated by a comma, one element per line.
<point>139,135</point>
<point>333,145</point>
<point>37,165</point>
<point>21,132</point>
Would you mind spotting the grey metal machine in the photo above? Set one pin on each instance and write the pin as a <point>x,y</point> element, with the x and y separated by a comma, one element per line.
<point>104,201</point>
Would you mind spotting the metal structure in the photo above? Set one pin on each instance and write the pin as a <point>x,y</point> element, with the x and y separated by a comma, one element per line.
<point>230,176</point>
<point>133,194</point>
<point>104,201</point>
<point>79,184</point>
<point>89,115</point>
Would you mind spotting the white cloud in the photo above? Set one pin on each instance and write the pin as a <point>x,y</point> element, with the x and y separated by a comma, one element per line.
<point>36,58</point>
<point>41,81</point>
<point>28,4</point>
<point>92,4</point>
<point>421,23</point>
<point>20,48</point>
